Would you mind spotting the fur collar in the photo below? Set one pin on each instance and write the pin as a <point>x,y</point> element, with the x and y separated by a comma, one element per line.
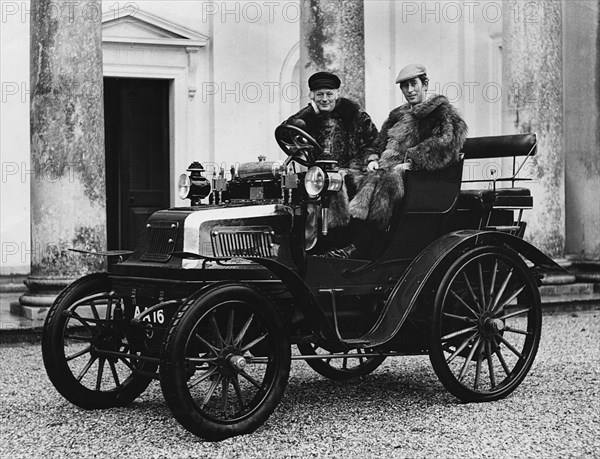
<point>425,108</point>
<point>346,109</point>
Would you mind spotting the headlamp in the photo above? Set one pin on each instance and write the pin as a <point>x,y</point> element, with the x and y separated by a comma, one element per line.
<point>195,186</point>
<point>183,186</point>
<point>318,180</point>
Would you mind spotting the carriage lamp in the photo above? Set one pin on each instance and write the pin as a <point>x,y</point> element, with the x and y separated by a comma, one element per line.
<point>323,176</point>
<point>195,186</point>
<point>320,179</point>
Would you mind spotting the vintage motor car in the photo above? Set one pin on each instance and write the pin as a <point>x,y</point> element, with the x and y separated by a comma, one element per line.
<point>215,294</point>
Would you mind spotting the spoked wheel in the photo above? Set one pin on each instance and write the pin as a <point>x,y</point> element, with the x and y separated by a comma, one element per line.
<point>83,327</point>
<point>338,368</point>
<point>486,325</point>
<point>225,362</point>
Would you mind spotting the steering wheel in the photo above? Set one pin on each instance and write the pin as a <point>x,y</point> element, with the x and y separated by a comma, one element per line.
<point>297,144</point>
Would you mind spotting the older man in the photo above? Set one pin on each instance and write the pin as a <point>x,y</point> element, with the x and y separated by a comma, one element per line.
<point>341,127</point>
<point>423,134</point>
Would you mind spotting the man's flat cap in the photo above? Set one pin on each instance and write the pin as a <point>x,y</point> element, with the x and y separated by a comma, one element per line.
<point>323,80</point>
<point>411,71</point>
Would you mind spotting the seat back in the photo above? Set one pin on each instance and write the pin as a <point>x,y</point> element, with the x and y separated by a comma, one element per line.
<point>430,197</point>
<point>500,146</point>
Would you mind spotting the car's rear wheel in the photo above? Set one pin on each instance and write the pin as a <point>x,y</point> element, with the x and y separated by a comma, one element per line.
<point>225,362</point>
<point>342,365</point>
<point>82,335</point>
<point>486,327</point>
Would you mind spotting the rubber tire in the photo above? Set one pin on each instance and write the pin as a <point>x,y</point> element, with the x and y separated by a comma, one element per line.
<point>436,353</point>
<point>174,376</point>
<point>54,357</point>
<point>338,374</point>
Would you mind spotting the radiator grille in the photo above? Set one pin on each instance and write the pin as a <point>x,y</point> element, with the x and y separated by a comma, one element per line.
<point>242,241</point>
<point>162,236</point>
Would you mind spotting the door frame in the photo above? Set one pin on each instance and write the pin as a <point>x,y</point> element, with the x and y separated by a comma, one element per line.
<point>177,115</point>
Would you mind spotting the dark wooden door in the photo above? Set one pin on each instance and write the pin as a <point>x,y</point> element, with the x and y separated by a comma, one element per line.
<point>137,155</point>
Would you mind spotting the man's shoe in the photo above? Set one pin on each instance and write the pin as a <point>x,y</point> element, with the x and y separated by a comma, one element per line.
<point>346,252</point>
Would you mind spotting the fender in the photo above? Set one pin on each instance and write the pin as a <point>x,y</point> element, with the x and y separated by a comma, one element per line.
<point>402,299</point>
<point>305,299</point>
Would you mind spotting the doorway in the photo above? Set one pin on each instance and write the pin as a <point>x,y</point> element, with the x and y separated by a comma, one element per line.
<point>136,113</point>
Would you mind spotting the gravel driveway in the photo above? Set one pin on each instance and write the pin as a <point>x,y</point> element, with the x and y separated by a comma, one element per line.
<point>401,410</point>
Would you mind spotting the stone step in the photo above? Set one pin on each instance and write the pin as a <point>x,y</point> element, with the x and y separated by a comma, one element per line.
<point>12,284</point>
<point>567,289</point>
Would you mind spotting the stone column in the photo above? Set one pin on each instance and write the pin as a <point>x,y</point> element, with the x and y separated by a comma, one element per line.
<point>68,195</point>
<point>332,40</point>
<point>533,83</point>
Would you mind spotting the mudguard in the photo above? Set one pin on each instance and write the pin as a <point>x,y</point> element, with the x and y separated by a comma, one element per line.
<point>304,299</point>
<point>403,297</point>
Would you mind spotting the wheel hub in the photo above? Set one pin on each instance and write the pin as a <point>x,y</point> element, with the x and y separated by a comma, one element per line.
<point>237,362</point>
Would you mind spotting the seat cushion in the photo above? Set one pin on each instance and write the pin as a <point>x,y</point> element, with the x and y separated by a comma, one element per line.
<point>485,199</point>
<point>513,197</point>
<point>475,199</point>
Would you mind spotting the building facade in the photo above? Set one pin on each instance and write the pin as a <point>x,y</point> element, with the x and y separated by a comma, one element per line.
<point>209,81</point>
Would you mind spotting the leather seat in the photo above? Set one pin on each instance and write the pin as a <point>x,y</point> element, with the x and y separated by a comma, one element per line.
<point>485,199</point>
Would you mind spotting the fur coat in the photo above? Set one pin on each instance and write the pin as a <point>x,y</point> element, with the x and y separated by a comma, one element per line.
<point>430,135</point>
<point>349,133</point>
<point>347,130</point>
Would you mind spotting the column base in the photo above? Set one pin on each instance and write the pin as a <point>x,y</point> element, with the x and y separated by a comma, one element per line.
<point>41,293</point>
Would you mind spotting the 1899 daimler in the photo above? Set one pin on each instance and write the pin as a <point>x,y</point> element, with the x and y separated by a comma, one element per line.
<point>215,294</point>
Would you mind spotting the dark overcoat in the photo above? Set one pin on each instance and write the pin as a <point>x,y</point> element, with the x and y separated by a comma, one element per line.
<point>430,135</point>
<point>346,134</point>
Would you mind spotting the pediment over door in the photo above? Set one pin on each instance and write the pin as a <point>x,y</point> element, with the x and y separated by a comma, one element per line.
<point>134,40</point>
<point>139,27</point>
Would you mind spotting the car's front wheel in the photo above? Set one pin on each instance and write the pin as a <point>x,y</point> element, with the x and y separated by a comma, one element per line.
<point>225,362</point>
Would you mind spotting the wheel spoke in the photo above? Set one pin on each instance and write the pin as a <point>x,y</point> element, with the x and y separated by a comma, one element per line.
<point>100,372</point>
<point>79,354</point>
<point>469,358</point>
<point>251,379</point>
<point>224,394</point>
<point>511,298</point>
<point>516,330</point>
<point>493,282</point>
<point>229,338</point>
<point>126,362</point>
<point>454,316</point>
<point>513,314</point>
<point>458,333</point>
<point>87,339</point>
<point>510,346</point>
<point>460,348</point>
<point>238,392</point>
<point>500,292</point>
<point>498,352</point>
<point>253,343</point>
<point>454,294</point>
<point>113,369</point>
<point>471,292</point>
<point>202,377</point>
<point>207,344</point>
<point>481,287</point>
<point>108,309</point>
<point>86,368</point>
<point>94,310</point>
<point>488,354</point>
<point>83,322</point>
<point>478,367</point>
<point>211,390</point>
<point>213,322</point>
<point>238,339</point>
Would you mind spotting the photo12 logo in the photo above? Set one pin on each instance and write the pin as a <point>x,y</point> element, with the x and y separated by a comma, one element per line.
<point>90,11</point>
<point>469,11</point>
